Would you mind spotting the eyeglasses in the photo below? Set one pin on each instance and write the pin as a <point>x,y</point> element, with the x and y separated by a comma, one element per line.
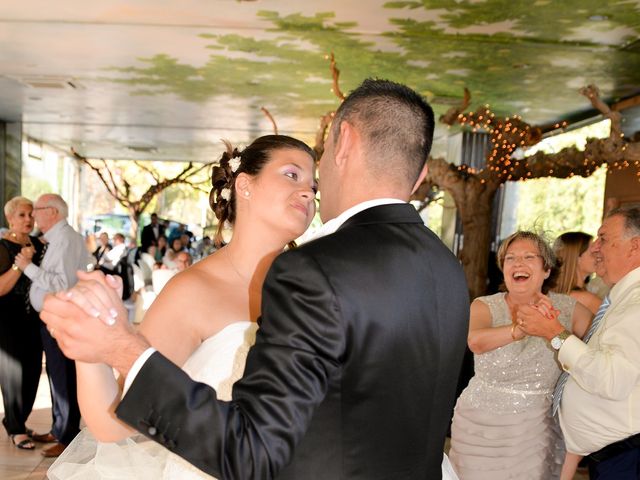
<point>526,258</point>
<point>42,208</point>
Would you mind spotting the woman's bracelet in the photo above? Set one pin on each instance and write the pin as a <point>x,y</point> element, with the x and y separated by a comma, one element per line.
<point>16,268</point>
<point>513,333</point>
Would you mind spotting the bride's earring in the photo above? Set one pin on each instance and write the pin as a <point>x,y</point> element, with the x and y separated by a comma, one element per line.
<point>246,193</point>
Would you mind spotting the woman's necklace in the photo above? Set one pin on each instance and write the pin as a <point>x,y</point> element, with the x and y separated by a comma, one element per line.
<point>22,240</point>
<point>233,265</point>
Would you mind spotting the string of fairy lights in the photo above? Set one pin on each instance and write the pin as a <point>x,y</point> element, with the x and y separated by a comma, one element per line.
<point>508,134</point>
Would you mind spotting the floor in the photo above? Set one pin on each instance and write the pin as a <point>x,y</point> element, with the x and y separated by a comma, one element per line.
<point>30,465</point>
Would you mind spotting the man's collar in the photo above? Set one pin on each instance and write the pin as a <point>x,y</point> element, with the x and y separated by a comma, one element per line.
<point>51,233</point>
<point>335,223</point>
<point>631,278</point>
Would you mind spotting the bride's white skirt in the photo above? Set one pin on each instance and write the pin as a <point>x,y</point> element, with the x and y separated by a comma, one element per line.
<point>87,459</point>
<point>136,458</point>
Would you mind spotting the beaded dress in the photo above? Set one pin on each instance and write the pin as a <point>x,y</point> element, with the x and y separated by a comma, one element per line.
<point>502,424</point>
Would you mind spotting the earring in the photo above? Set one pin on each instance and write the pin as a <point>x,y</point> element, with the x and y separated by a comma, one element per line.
<point>246,194</point>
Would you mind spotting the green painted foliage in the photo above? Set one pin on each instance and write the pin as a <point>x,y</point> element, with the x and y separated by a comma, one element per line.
<point>289,71</point>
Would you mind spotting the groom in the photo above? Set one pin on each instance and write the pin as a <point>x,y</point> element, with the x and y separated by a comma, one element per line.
<point>355,365</point>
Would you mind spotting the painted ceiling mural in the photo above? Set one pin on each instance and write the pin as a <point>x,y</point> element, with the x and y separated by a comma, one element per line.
<point>168,79</point>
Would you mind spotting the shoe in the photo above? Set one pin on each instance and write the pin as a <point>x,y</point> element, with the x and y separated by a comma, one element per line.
<point>43,437</point>
<point>54,450</point>
<point>24,444</point>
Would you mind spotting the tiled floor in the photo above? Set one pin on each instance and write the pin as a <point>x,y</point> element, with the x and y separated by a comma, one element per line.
<point>30,465</point>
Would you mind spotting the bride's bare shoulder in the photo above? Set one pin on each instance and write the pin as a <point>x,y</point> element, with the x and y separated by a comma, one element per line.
<point>190,307</point>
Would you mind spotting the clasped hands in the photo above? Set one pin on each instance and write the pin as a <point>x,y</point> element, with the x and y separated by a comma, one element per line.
<point>23,258</point>
<point>539,319</point>
<point>90,322</point>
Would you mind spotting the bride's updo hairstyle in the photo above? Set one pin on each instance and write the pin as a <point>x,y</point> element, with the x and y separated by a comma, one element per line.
<point>251,160</point>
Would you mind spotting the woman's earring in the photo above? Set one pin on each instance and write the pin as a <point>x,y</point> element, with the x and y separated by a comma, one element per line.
<point>246,194</point>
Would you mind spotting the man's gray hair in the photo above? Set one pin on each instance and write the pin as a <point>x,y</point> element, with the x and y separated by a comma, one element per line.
<point>631,220</point>
<point>56,201</point>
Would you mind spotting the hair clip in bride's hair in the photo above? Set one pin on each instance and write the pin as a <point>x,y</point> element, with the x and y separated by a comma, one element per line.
<point>225,193</point>
<point>234,163</point>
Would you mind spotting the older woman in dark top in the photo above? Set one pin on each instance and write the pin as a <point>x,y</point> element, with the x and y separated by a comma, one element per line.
<point>20,344</point>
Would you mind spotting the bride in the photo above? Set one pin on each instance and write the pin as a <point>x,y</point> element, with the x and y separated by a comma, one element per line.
<point>267,192</point>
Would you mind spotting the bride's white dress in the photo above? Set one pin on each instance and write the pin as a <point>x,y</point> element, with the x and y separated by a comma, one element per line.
<point>219,361</point>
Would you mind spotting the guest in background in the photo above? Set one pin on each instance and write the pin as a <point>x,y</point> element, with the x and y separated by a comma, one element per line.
<point>502,424</point>
<point>183,261</point>
<point>161,249</point>
<point>20,344</point>
<point>169,257</point>
<point>65,255</point>
<point>110,259</point>
<point>151,233</point>
<point>576,265</point>
<point>103,247</point>
<point>177,233</point>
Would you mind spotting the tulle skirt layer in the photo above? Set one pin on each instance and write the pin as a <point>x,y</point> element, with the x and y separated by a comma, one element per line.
<point>131,459</point>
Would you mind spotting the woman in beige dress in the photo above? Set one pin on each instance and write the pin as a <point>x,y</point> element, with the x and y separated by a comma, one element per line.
<point>502,425</point>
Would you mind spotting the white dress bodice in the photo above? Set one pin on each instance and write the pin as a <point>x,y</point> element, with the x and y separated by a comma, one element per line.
<point>218,362</point>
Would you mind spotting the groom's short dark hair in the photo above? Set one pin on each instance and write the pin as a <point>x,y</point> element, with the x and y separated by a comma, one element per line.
<point>396,124</point>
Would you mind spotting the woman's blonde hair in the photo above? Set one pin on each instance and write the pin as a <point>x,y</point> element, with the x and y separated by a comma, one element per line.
<point>12,205</point>
<point>568,247</point>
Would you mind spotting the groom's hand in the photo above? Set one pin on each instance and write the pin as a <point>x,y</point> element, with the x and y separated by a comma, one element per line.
<point>90,324</point>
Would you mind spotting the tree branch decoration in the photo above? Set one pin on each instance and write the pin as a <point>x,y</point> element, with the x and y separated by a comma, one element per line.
<point>120,188</point>
<point>267,113</point>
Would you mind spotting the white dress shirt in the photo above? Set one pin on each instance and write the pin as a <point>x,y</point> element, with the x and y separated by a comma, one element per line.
<point>328,228</point>
<point>601,400</point>
<point>112,257</point>
<point>65,255</point>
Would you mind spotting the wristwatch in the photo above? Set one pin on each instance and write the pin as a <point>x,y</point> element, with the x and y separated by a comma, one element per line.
<point>558,340</point>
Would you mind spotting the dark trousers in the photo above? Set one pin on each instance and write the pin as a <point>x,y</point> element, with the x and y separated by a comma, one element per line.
<point>20,366</point>
<point>622,466</point>
<point>62,382</point>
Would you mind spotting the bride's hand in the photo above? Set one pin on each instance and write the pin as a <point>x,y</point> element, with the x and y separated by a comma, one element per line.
<point>97,295</point>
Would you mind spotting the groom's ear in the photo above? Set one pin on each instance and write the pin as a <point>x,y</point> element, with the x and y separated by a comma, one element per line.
<point>421,177</point>
<point>347,144</point>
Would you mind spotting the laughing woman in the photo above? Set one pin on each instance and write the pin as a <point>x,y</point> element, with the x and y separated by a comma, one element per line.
<point>502,424</point>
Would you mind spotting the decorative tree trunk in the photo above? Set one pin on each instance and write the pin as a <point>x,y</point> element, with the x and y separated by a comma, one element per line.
<point>473,195</point>
<point>475,215</point>
<point>134,217</point>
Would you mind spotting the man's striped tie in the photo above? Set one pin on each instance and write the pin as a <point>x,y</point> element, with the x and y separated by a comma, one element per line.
<point>564,376</point>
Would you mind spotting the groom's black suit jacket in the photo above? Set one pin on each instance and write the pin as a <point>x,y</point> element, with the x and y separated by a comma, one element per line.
<point>354,369</point>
